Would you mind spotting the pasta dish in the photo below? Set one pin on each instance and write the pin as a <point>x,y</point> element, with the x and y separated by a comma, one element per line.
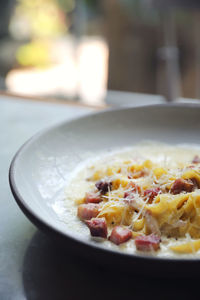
<point>147,197</point>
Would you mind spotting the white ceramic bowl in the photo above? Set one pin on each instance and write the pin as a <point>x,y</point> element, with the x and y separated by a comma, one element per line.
<point>40,169</point>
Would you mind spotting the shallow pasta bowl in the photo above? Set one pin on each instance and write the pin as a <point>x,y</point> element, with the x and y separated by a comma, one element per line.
<point>42,167</point>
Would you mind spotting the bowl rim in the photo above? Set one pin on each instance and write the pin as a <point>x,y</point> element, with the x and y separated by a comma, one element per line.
<point>48,228</point>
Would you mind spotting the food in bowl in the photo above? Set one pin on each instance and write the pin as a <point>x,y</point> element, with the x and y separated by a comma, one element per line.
<point>145,199</point>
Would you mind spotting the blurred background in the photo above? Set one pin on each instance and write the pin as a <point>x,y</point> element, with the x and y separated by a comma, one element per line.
<point>85,50</point>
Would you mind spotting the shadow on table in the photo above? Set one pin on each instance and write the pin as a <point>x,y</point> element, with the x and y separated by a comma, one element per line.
<point>50,272</point>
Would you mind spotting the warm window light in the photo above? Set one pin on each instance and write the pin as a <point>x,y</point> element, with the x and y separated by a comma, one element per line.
<point>80,71</point>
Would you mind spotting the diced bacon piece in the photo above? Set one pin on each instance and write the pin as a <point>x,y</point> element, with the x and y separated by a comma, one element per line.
<point>181,185</point>
<point>92,197</point>
<point>98,227</point>
<point>147,242</point>
<point>120,235</point>
<point>103,186</point>
<point>196,159</point>
<point>152,193</point>
<point>88,211</point>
